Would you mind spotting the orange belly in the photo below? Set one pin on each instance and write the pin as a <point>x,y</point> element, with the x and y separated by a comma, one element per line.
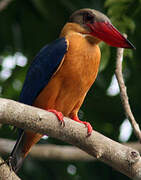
<point>67,88</point>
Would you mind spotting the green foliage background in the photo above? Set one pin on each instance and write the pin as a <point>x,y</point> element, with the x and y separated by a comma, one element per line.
<point>26,26</point>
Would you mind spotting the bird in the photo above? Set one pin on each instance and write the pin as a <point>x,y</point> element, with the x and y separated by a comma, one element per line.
<point>63,71</point>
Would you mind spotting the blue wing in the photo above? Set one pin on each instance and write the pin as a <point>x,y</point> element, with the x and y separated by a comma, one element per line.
<point>41,70</point>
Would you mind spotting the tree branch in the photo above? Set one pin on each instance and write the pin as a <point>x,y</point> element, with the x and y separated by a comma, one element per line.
<point>123,93</point>
<point>120,157</point>
<point>56,152</point>
<point>49,151</point>
<point>6,173</point>
<point>4,4</point>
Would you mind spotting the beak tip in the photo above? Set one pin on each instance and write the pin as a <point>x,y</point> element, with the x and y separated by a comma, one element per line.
<point>130,45</point>
<point>133,47</point>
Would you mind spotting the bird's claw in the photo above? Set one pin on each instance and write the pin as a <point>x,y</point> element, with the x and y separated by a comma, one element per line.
<point>87,124</point>
<point>89,128</point>
<point>59,116</point>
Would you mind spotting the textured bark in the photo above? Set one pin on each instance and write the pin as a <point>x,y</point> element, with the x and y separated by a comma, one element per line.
<point>6,173</point>
<point>120,157</point>
<point>55,152</point>
<point>4,4</point>
<point>123,93</point>
<point>49,151</point>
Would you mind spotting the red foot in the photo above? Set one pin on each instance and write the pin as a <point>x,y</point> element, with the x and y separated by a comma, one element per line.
<point>87,124</point>
<point>59,116</point>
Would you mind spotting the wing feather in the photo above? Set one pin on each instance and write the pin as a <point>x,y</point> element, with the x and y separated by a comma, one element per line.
<point>42,69</point>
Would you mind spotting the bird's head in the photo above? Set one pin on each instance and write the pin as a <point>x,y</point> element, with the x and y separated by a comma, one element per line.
<point>96,24</point>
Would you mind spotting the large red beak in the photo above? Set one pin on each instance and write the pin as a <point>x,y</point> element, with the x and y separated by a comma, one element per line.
<point>106,32</point>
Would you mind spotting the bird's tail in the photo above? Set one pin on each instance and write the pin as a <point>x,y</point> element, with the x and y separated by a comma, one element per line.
<point>22,147</point>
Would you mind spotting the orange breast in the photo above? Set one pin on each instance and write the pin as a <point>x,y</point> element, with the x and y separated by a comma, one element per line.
<point>66,90</point>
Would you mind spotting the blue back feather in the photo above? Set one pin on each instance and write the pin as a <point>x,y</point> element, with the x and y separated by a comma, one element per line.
<point>41,70</point>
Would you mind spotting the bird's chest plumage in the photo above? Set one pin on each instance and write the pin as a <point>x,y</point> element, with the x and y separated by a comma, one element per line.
<point>81,63</point>
<point>67,88</point>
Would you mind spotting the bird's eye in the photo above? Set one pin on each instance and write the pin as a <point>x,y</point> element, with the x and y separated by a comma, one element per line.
<point>88,18</point>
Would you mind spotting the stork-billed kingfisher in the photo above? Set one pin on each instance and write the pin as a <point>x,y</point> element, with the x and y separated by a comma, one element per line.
<point>63,72</point>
